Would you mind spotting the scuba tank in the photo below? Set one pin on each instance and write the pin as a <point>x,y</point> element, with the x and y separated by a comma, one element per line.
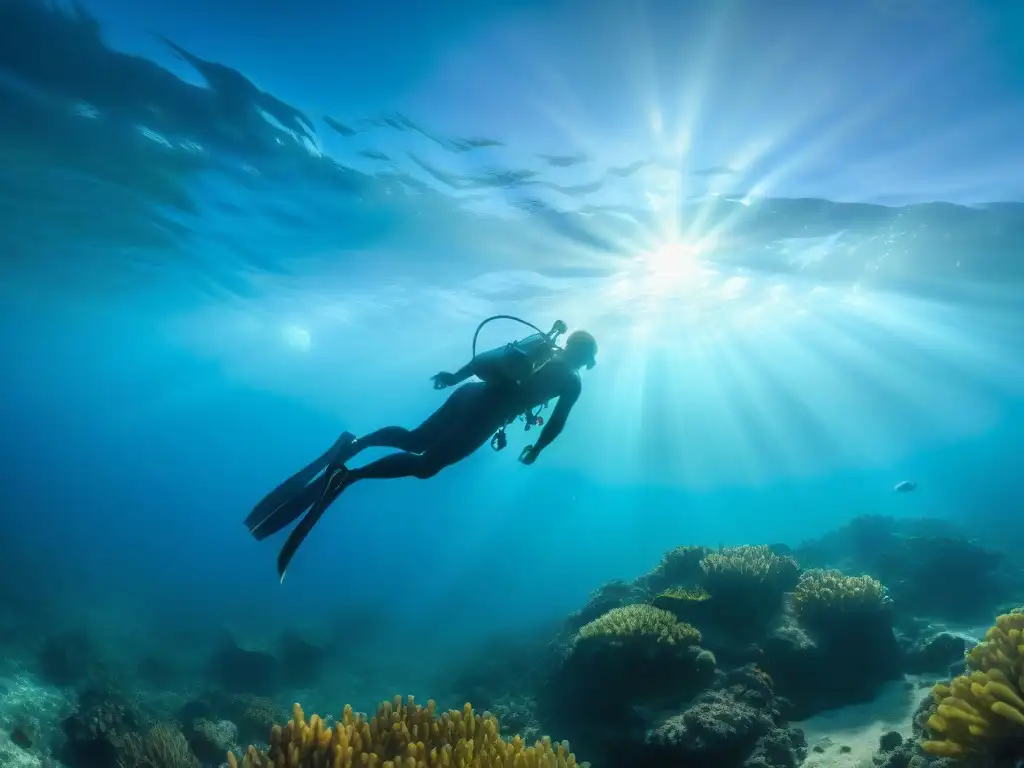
<point>516,361</point>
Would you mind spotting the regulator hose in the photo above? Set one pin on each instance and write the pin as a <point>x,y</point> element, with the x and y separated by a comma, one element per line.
<point>502,317</point>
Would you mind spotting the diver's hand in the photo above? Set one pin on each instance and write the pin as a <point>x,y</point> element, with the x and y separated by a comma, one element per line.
<point>528,455</point>
<point>444,379</point>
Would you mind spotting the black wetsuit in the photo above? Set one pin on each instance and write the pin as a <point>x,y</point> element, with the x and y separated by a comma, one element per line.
<point>464,423</point>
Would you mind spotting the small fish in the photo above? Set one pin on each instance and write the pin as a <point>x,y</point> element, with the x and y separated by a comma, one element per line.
<point>906,486</point>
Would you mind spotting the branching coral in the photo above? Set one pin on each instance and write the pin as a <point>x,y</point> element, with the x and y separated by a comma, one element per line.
<point>745,566</point>
<point>685,595</point>
<point>402,735</point>
<point>641,621</point>
<point>614,594</point>
<point>162,747</point>
<point>821,594</point>
<point>982,711</point>
<point>691,605</point>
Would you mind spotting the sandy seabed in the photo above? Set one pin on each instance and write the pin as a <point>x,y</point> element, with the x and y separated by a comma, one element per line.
<point>848,737</point>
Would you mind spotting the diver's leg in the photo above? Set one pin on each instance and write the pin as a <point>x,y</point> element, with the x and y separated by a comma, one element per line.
<point>412,440</point>
<point>422,437</point>
<point>461,440</point>
<point>285,503</point>
<point>478,422</point>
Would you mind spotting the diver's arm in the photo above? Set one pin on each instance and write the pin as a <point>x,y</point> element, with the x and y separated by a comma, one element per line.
<point>464,372</point>
<point>559,416</point>
<point>444,379</point>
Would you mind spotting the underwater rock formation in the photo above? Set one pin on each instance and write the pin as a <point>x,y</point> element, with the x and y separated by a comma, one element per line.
<point>614,594</point>
<point>253,716</point>
<point>897,750</point>
<point>934,653</point>
<point>737,722</point>
<point>746,585</point>
<point>301,662</point>
<point>834,645</point>
<point>239,670</point>
<point>67,658</point>
<point>636,654</point>
<point>95,731</point>
<point>679,569</point>
<point>749,604</point>
<point>913,557</point>
<point>210,740</point>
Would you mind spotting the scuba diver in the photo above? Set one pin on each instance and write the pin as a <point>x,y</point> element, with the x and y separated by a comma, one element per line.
<point>516,380</point>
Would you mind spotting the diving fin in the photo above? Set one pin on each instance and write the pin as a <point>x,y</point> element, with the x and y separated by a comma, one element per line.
<point>333,486</point>
<point>287,512</point>
<point>280,507</point>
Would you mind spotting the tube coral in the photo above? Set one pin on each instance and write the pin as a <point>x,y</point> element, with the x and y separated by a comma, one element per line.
<point>979,712</point>
<point>401,735</point>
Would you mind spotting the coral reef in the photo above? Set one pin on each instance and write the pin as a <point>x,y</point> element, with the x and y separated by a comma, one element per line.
<point>822,596</point>
<point>210,740</point>
<point>518,715</point>
<point>736,722</point>
<point>255,716</point>
<point>835,628</point>
<point>402,735</point>
<point>640,621</point>
<point>630,653</point>
<point>635,656</point>
<point>747,565</point>
<point>614,594</point>
<point>95,730</point>
<point>702,662</point>
<point>679,568</point>
<point>981,713</point>
<point>746,584</point>
<point>689,605</point>
<point>163,746</point>
<point>910,556</point>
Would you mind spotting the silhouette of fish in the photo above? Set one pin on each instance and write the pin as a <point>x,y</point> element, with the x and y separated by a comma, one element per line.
<point>906,486</point>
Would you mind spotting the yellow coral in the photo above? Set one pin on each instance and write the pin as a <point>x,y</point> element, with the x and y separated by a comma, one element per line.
<point>641,621</point>
<point>402,735</point>
<point>829,591</point>
<point>986,706</point>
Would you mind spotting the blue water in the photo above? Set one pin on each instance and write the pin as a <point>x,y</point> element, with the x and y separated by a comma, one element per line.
<point>794,229</point>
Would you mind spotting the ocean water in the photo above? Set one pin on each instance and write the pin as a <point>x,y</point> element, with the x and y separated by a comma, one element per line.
<point>230,233</point>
